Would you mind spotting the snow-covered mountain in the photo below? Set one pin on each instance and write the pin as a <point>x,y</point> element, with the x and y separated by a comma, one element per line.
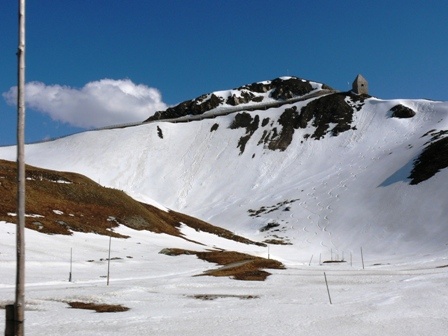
<point>312,173</point>
<point>288,161</point>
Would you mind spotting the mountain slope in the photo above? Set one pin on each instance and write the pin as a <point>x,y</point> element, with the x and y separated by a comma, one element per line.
<point>321,174</point>
<point>63,203</point>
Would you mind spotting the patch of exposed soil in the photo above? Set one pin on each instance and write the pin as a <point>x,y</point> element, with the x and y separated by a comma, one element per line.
<point>276,241</point>
<point>98,307</point>
<point>201,225</point>
<point>238,266</point>
<point>209,297</point>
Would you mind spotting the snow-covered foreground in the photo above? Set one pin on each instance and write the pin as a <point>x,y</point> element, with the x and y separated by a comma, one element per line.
<point>166,298</point>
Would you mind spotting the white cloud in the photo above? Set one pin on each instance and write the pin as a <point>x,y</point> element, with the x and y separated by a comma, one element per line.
<point>101,103</point>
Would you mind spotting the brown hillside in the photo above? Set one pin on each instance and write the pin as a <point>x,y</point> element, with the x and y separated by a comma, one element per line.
<point>62,202</point>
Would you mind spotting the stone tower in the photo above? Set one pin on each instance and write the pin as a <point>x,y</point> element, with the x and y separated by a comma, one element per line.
<point>360,85</point>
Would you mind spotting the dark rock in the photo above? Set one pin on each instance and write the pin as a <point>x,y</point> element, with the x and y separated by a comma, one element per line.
<point>280,88</point>
<point>214,127</point>
<point>326,110</point>
<point>245,120</point>
<point>401,111</point>
<point>269,226</point>
<point>289,88</point>
<point>190,107</point>
<point>330,109</point>
<point>433,159</point>
<point>244,98</point>
<point>289,121</point>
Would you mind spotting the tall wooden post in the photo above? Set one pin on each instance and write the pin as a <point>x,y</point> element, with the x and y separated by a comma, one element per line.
<point>19,315</point>
<point>108,258</point>
<point>71,262</point>
<point>362,259</point>
<point>328,290</point>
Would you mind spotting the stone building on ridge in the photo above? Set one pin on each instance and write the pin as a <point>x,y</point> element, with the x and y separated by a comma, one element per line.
<point>360,85</point>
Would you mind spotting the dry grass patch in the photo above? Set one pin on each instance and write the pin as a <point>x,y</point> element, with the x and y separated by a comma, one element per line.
<point>238,266</point>
<point>276,241</point>
<point>63,202</point>
<point>210,297</point>
<point>98,307</point>
<point>198,224</point>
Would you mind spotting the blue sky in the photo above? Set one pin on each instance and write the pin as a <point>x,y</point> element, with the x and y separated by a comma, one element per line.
<point>110,61</point>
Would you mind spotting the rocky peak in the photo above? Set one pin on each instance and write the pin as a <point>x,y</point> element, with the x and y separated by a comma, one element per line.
<point>279,89</point>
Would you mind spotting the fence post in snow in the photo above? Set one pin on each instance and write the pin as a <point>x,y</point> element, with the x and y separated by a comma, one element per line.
<point>9,324</point>
<point>328,290</point>
<point>108,259</point>
<point>362,259</point>
<point>71,261</point>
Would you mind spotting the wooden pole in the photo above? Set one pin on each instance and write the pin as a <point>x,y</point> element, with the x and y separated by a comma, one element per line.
<point>19,313</point>
<point>71,261</point>
<point>328,290</point>
<point>362,259</point>
<point>108,259</point>
<point>9,325</point>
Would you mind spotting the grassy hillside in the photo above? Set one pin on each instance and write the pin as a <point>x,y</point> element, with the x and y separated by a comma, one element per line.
<point>62,202</point>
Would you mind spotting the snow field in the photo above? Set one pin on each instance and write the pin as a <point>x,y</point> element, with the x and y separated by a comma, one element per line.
<point>394,298</point>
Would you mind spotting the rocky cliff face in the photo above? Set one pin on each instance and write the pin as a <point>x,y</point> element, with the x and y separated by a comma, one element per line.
<point>279,89</point>
<point>332,113</point>
<point>432,159</point>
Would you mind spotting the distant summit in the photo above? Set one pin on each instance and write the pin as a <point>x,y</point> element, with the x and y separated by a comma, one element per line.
<point>258,94</point>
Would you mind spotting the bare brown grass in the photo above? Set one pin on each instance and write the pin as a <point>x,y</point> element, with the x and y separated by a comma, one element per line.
<point>98,307</point>
<point>209,297</point>
<point>239,266</point>
<point>63,202</point>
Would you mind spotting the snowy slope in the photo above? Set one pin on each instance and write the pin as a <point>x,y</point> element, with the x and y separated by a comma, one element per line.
<point>341,192</point>
<point>166,298</point>
<point>323,195</point>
